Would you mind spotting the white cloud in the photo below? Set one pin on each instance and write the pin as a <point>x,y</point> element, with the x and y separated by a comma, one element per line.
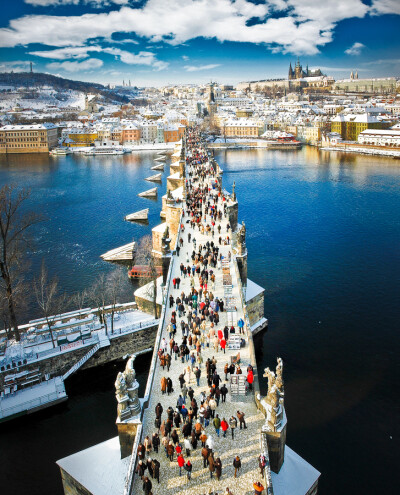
<point>193,68</point>
<point>93,3</point>
<point>185,58</point>
<point>355,49</point>
<point>74,52</point>
<point>90,63</point>
<point>141,58</point>
<point>299,26</point>
<point>385,7</point>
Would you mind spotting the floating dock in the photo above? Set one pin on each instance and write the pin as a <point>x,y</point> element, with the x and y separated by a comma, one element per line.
<point>160,166</point>
<point>139,216</point>
<point>154,178</point>
<point>150,193</point>
<point>122,253</point>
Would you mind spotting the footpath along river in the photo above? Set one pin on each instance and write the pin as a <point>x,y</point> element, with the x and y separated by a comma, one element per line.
<point>323,235</point>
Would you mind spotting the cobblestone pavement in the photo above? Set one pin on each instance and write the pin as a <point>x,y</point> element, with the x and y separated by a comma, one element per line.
<point>246,442</point>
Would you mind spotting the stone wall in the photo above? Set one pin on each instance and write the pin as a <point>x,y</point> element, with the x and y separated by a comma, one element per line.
<point>174,182</point>
<point>232,210</point>
<point>255,308</point>
<point>172,217</point>
<point>71,486</point>
<point>147,306</point>
<point>119,347</point>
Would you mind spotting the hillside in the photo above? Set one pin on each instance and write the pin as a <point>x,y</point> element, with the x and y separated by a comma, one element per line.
<point>38,79</point>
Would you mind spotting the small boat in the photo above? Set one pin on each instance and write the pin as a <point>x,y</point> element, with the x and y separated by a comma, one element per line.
<point>108,150</point>
<point>158,167</point>
<point>144,271</point>
<point>139,216</point>
<point>150,193</point>
<point>60,151</point>
<point>154,178</point>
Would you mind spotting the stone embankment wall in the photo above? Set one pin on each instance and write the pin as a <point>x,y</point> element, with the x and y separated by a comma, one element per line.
<point>255,308</point>
<point>119,347</point>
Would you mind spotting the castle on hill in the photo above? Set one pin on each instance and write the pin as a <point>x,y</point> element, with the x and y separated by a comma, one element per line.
<point>299,73</point>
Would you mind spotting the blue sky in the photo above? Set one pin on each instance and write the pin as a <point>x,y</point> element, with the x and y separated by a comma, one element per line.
<point>157,42</point>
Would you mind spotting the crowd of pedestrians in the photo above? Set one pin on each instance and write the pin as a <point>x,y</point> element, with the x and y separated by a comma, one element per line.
<point>193,422</point>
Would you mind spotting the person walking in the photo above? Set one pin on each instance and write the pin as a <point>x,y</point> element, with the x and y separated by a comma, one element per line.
<point>211,464</point>
<point>188,469</point>
<point>218,468</point>
<point>163,385</point>
<point>147,486</point>
<point>169,386</point>
<point>233,425</point>
<point>205,453</point>
<point>217,425</point>
<point>188,446</point>
<point>262,462</point>
<point>223,391</point>
<point>237,464</point>
<point>250,379</point>
<point>242,422</point>
<point>156,470</point>
<point>224,427</point>
<point>181,463</point>
<point>258,488</point>
<point>170,450</point>
<point>155,440</point>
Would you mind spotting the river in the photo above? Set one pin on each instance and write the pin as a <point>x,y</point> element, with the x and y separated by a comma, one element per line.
<point>323,239</point>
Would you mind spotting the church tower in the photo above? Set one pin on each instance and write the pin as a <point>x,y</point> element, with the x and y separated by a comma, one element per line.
<point>290,76</point>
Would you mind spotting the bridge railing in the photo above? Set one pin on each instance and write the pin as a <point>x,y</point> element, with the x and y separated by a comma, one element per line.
<point>256,384</point>
<point>132,463</point>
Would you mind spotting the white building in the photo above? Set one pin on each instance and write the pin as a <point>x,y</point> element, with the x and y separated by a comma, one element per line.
<point>380,137</point>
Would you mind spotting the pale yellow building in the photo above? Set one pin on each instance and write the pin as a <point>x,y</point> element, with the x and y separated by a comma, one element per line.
<point>35,138</point>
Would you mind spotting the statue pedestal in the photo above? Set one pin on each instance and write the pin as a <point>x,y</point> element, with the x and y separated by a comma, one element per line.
<point>123,407</point>
<point>275,436</point>
<point>127,432</point>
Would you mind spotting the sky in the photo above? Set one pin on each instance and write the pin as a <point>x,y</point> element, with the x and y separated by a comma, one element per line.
<point>160,42</point>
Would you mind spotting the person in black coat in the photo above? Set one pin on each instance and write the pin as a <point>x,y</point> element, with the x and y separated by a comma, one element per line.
<point>141,468</point>
<point>169,385</point>
<point>223,391</point>
<point>147,486</point>
<point>155,440</point>
<point>156,470</point>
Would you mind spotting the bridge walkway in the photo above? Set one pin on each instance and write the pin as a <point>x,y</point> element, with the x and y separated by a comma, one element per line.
<point>246,443</point>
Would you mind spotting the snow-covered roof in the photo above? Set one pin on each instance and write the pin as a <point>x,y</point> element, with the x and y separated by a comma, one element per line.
<point>252,290</point>
<point>99,469</point>
<point>296,476</point>
<point>28,127</point>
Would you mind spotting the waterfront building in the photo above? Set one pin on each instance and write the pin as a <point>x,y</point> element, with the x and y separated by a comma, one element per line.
<point>380,137</point>
<point>35,138</point>
<point>84,137</point>
<point>350,126</point>
<point>241,128</point>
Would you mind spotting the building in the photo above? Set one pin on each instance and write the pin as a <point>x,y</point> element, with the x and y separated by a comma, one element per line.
<point>35,138</point>
<point>131,134</point>
<point>83,137</point>
<point>299,73</point>
<point>350,126</point>
<point>372,85</point>
<point>380,137</point>
<point>242,128</point>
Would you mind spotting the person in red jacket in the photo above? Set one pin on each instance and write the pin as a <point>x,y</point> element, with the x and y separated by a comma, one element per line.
<point>223,344</point>
<point>224,427</point>
<point>181,463</point>
<point>178,449</point>
<point>250,379</point>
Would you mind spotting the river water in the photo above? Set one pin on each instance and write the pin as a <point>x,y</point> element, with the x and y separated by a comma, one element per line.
<point>323,239</point>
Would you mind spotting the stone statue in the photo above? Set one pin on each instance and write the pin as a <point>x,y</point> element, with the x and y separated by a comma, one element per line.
<point>166,233</point>
<point>120,386</point>
<point>279,375</point>
<point>242,235</point>
<point>271,378</point>
<point>126,392</point>
<point>233,191</point>
<point>130,374</point>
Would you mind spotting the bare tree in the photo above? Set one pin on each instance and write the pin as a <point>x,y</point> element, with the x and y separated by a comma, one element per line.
<point>80,299</point>
<point>144,256</point>
<point>115,281</point>
<point>50,300</point>
<point>14,226</point>
<point>98,295</point>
